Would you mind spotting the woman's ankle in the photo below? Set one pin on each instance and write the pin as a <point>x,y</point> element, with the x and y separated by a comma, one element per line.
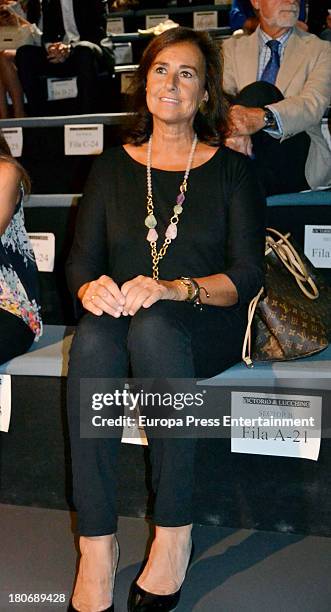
<point>96,574</point>
<point>168,560</point>
<point>181,533</point>
<point>96,542</point>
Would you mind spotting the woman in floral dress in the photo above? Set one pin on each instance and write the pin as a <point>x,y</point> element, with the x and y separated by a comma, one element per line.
<point>20,322</point>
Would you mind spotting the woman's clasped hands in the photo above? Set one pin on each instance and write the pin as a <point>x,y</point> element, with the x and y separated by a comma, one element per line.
<point>104,295</point>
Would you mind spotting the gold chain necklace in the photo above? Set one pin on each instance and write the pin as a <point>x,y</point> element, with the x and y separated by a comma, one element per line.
<point>151,222</point>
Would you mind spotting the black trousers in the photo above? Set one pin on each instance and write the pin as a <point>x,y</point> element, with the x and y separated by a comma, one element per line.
<point>15,336</point>
<point>280,165</point>
<point>85,61</point>
<point>170,339</point>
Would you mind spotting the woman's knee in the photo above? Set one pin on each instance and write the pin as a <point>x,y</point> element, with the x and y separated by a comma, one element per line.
<point>88,333</point>
<point>154,324</point>
<point>99,342</point>
<point>158,335</point>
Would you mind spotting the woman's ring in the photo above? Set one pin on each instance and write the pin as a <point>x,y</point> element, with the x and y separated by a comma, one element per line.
<point>92,298</point>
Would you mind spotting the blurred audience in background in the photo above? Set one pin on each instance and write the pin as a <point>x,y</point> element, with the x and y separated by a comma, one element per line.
<point>314,15</point>
<point>72,33</point>
<point>72,45</point>
<point>319,18</point>
<point>279,83</point>
<point>243,16</point>
<point>124,5</point>
<point>16,19</point>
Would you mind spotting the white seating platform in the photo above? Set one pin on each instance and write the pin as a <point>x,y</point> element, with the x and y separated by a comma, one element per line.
<point>49,357</point>
<point>312,372</point>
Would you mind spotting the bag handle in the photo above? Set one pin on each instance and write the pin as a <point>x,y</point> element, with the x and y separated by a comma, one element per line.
<point>246,350</point>
<point>291,259</point>
<point>294,264</point>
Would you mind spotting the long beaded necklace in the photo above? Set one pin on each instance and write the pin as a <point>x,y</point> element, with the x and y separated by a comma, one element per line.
<point>151,222</point>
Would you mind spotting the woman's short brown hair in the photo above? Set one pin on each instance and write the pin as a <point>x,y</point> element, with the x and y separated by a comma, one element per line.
<point>210,122</point>
<point>5,155</point>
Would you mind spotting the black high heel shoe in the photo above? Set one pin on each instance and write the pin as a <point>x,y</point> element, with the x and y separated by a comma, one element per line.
<point>143,601</point>
<point>110,608</point>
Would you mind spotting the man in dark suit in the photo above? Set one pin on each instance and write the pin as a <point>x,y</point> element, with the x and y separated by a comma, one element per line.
<point>72,31</point>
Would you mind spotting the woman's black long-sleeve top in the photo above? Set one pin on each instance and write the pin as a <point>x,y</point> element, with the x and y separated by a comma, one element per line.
<point>221,228</point>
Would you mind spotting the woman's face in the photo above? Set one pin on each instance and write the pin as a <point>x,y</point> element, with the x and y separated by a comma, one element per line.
<point>176,84</point>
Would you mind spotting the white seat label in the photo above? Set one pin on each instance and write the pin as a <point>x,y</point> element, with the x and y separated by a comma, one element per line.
<point>154,20</point>
<point>5,402</point>
<point>285,425</point>
<point>205,21</point>
<point>115,25</point>
<point>83,139</point>
<point>14,139</point>
<point>318,245</point>
<point>123,53</point>
<point>43,244</point>
<point>61,89</point>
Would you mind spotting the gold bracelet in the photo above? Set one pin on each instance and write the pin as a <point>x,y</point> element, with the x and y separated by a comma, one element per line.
<point>193,290</point>
<point>191,286</point>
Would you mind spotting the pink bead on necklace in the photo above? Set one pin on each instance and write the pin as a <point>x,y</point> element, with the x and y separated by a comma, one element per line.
<point>151,222</point>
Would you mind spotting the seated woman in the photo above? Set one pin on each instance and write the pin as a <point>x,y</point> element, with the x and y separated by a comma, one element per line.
<point>21,13</point>
<point>186,228</point>
<point>20,322</point>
